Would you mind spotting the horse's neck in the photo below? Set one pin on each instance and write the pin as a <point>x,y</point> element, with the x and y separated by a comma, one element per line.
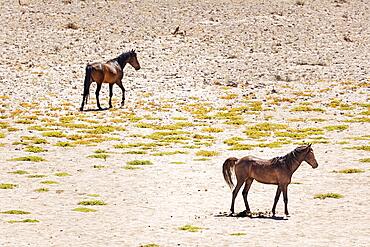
<point>296,162</point>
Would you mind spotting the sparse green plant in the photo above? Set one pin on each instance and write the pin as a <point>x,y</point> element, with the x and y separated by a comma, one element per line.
<point>93,195</point>
<point>336,127</point>
<point>351,170</point>
<point>178,162</point>
<point>57,134</point>
<point>238,234</point>
<point>92,203</point>
<point>7,186</point>
<point>99,167</point>
<point>35,149</point>
<point>363,147</point>
<point>99,156</point>
<point>190,228</point>
<point>328,195</point>
<point>64,144</point>
<point>212,130</point>
<point>169,153</point>
<point>207,153</point>
<point>36,176</point>
<point>19,172</point>
<point>139,162</point>
<point>40,190</point>
<point>23,221</point>
<point>29,158</point>
<point>150,245</point>
<point>233,140</point>
<point>131,167</point>
<point>15,212</point>
<point>84,210</point>
<point>62,174</point>
<point>365,160</point>
<point>49,182</point>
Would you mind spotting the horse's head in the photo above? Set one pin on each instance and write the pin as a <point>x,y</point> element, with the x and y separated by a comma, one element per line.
<point>133,60</point>
<point>310,157</point>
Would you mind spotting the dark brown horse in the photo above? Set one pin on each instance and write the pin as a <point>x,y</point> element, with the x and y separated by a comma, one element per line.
<point>278,170</point>
<point>110,72</point>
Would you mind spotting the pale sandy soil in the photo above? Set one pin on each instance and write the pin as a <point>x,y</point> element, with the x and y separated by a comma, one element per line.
<point>225,65</point>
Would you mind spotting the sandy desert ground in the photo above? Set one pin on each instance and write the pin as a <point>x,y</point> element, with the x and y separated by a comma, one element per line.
<point>239,78</point>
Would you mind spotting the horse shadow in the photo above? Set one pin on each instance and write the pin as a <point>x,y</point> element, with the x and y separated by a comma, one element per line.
<point>253,215</point>
<point>102,109</point>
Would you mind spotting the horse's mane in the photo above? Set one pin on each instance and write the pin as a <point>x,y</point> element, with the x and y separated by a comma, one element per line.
<point>288,158</point>
<point>123,57</point>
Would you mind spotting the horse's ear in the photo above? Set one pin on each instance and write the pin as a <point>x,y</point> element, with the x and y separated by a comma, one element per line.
<point>309,145</point>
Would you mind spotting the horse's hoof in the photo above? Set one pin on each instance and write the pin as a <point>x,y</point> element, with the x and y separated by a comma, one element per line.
<point>81,109</point>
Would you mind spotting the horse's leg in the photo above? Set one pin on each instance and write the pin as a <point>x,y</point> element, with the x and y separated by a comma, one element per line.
<point>247,186</point>
<point>110,94</point>
<point>235,193</point>
<point>277,196</point>
<point>284,189</point>
<point>98,87</point>
<point>83,102</point>
<point>123,92</point>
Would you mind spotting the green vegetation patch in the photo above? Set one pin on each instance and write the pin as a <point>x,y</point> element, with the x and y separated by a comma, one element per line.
<point>139,162</point>
<point>49,182</point>
<point>29,158</point>
<point>306,108</point>
<point>36,176</point>
<point>190,228</point>
<point>233,140</point>
<point>23,221</point>
<point>15,212</point>
<point>84,210</point>
<point>99,156</point>
<point>35,149</point>
<point>62,174</point>
<point>238,234</point>
<point>328,195</point>
<point>336,127</point>
<point>365,160</point>
<point>169,153</point>
<point>351,170</point>
<point>363,147</point>
<point>131,167</point>
<point>7,186</point>
<point>207,153</point>
<point>57,134</point>
<point>64,144</point>
<point>92,203</point>
<point>19,172</point>
<point>212,130</point>
<point>41,190</point>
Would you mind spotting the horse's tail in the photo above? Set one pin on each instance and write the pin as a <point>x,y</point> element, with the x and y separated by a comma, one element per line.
<point>87,82</point>
<point>227,169</point>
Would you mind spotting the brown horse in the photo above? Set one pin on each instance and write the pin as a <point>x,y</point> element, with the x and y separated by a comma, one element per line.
<point>110,72</point>
<point>278,170</point>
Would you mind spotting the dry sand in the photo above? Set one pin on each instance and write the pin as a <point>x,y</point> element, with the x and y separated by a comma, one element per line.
<point>296,62</point>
